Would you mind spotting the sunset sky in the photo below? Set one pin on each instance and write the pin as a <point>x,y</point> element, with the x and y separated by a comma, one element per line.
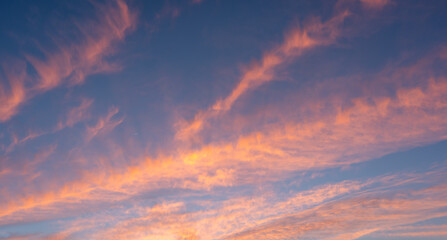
<point>223,119</point>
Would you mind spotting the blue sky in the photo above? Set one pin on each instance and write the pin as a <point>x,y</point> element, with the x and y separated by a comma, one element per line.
<point>223,119</point>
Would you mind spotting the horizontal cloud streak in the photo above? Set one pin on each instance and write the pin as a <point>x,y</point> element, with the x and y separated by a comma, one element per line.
<point>324,212</point>
<point>353,146</point>
<point>368,127</point>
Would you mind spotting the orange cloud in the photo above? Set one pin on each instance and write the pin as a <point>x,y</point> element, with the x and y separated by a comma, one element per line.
<point>11,98</point>
<point>297,41</point>
<point>352,218</point>
<point>169,220</point>
<point>337,137</point>
<point>375,4</point>
<point>71,63</point>
<point>104,124</point>
<point>349,130</point>
<point>74,115</point>
<point>79,113</point>
<point>344,210</point>
<point>16,141</point>
<point>385,124</point>
<point>417,231</point>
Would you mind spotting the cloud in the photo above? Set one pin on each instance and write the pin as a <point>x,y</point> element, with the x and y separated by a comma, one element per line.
<point>168,11</point>
<point>426,231</point>
<point>71,62</point>
<point>18,237</point>
<point>170,220</point>
<point>353,217</point>
<point>77,114</point>
<point>343,210</point>
<point>346,131</point>
<point>11,98</point>
<point>375,4</point>
<point>312,35</point>
<point>200,191</point>
<point>105,124</point>
<point>298,41</point>
<point>16,141</point>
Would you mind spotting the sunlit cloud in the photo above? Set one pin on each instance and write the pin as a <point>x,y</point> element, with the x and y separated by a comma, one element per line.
<point>13,95</point>
<point>324,212</point>
<point>377,4</point>
<point>73,116</point>
<point>296,42</point>
<point>349,144</point>
<point>417,231</point>
<point>337,139</point>
<point>77,114</point>
<point>351,218</point>
<point>311,35</point>
<point>16,141</point>
<point>105,124</point>
<point>70,63</point>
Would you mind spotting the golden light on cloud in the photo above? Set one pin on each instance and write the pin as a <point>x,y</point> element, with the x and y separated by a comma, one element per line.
<point>334,128</point>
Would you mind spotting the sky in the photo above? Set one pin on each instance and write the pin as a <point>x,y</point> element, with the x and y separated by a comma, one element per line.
<point>223,119</point>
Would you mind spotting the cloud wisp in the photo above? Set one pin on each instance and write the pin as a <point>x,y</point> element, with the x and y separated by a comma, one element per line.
<point>411,117</point>
<point>70,63</point>
<point>297,41</point>
<point>354,150</point>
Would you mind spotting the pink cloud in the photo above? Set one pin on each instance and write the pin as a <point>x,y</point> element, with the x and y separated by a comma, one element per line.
<point>105,124</point>
<point>333,131</point>
<point>344,210</point>
<point>71,63</point>
<point>13,95</point>
<point>336,137</point>
<point>312,35</point>
<point>77,114</point>
<point>375,4</point>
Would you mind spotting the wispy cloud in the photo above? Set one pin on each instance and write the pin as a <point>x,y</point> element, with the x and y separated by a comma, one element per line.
<point>13,95</point>
<point>375,4</point>
<point>16,141</point>
<point>70,63</point>
<point>411,116</point>
<point>76,114</point>
<point>426,231</point>
<point>353,217</point>
<point>301,166</point>
<point>105,124</point>
<point>311,35</point>
<point>344,210</point>
<point>314,34</point>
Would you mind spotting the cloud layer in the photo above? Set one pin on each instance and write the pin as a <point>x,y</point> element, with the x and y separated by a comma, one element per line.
<point>338,150</point>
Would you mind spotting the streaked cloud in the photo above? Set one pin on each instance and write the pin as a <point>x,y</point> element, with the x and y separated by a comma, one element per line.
<point>377,4</point>
<point>77,114</point>
<point>311,35</point>
<point>349,146</point>
<point>105,124</point>
<point>417,231</point>
<point>337,139</point>
<point>297,41</point>
<point>351,218</point>
<point>13,95</point>
<point>327,212</point>
<point>70,63</point>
